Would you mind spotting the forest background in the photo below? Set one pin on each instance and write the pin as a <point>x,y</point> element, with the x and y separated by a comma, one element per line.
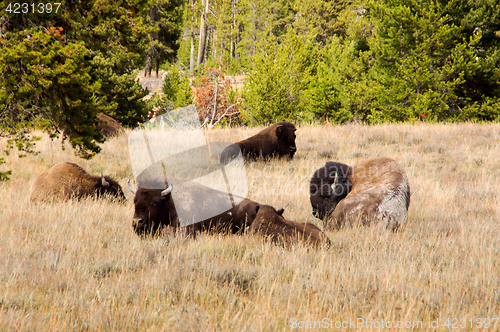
<point>309,61</point>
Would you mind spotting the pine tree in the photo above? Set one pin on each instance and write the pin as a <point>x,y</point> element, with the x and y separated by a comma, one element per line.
<point>259,18</point>
<point>275,87</point>
<point>165,18</point>
<point>226,32</point>
<point>176,88</point>
<point>59,70</point>
<point>322,19</point>
<point>324,93</point>
<point>427,66</point>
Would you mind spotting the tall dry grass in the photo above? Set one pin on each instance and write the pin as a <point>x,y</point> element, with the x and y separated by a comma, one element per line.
<point>78,266</point>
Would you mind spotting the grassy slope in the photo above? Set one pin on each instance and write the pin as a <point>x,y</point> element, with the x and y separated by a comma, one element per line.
<point>79,266</point>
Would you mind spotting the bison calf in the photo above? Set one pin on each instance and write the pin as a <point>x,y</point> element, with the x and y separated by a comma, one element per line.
<point>67,180</point>
<point>275,141</point>
<point>271,224</point>
<point>377,188</point>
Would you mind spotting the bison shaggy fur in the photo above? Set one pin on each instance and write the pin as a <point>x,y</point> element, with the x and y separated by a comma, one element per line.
<point>155,213</point>
<point>375,189</point>
<point>277,140</point>
<point>108,126</point>
<point>68,180</point>
<point>154,209</point>
<point>271,224</point>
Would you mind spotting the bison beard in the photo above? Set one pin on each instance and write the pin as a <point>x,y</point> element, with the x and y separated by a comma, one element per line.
<point>277,140</point>
<point>68,180</point>
<point>376,189</point>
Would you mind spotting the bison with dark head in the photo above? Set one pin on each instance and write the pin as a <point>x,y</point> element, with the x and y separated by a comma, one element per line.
<point>277,140</point>
<point>68,180</point>
<point>155,213</point>
<point>271,224</point>
<point>154,209</point>
<point>376,189</point>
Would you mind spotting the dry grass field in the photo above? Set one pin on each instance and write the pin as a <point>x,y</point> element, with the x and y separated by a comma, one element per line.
<point>78,265</point>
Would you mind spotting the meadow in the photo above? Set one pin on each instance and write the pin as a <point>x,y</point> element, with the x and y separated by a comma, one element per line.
<point>78,265</point>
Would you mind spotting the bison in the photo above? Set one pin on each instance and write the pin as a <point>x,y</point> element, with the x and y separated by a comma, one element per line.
<point>108,126</point>
<point>277,140</point>
<point>271,224</point>
<point>155,213</point>
<point>154,209</point>
<point>68,180</point>
<point>376,189</point>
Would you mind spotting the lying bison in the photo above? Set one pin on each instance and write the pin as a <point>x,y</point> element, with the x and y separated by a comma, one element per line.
<point>108,126</point>
<point>271,224</point>
<point>155,211</point>
<point>155,208</point>
<point>67,180</point>
<point>377,188</point>
<point>275,141</point>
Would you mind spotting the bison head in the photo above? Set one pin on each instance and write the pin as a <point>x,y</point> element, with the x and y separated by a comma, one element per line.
<point>285,133</point>
<point>272,224</point>
<point>153,209</point>
<point>109,187</point>
<point>230,153</point>
<point>328,186</point>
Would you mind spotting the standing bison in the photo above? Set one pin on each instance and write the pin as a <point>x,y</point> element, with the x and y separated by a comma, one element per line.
<point>67,180</point>
<point>271,224</point>
<point>275,141</point>
<point>377,188</point>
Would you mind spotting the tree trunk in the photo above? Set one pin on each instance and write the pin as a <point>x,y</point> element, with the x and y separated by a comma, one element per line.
<point>157,64</point>
<point>203,35</point>
<point>149,64</point>
<point>191,55</point>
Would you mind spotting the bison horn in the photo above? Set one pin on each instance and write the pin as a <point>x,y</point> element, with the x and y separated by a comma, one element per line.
<point>335,182</point>
<point>278,130</point>
<point>104,183</point>
<point>168,190</point>
<point>132,189</point>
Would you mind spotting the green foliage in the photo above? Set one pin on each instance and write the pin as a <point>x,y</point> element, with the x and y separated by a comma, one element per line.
<point>4,176</point>
<point>324,99</point>
<point>426,66</point>
<point>377,61</point>
<point>159,104</point>
<point>165,18</point>
<point>258,19</point>
<point>44,76</point>
<point>322,20</point>
<point>275,86</point>
<point>59,70</point>
<point>176,88</point>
